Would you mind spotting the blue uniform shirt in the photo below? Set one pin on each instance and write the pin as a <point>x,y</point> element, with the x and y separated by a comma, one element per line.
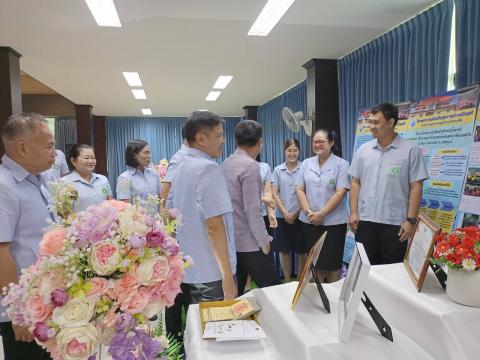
<point>89,192</point>
<point>24,213</point>
<point>59,169</point>
<point>266,175</point>
<point>133,184</point>
<point>284,180</point>
<point>321,183</point>
<point>174,163</point>
<point>199,193</point>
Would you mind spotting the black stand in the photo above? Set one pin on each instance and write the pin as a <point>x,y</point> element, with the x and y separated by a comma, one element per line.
<point>326,303</point>
<point>382,325</point>
<point>440,274</point>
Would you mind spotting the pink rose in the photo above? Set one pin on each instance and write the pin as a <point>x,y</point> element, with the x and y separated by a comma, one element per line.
<point>119,205</point>
<point>98,286</point>
<point>155,239</point>
<point>52,241</point>
<point>136,301</point>
<point>153,270</point>
<point>37,310</point>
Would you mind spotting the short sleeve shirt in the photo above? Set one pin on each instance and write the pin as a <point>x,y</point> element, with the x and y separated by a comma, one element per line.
<point>58,169</point>
<point>24,213</point>
<point>385,177</point>
<point>200,192</point>
<point>133,184</point>
<point>89,192</point>
<point>266,175</point>
<point>175,161</point>
<point>320,183</point>
<point>284,180</point>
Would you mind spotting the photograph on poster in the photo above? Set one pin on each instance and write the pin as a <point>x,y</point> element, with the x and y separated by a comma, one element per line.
<point>352,290</point>
<point>420,249</point>
<point>472,184</point>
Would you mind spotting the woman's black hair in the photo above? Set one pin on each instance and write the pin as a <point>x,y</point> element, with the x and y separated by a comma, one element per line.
<point>134,147</point>
<point>290,142</point>
<point>74,152</point>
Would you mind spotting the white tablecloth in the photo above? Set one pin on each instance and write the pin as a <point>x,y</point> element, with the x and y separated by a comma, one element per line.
<point>309,332</point>
<point>444,328</point>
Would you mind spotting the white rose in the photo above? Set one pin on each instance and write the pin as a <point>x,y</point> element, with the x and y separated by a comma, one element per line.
<point>76,343</point>
<point>153,309</point>
<point>105,258</point>
<point>152,271</point>
<point>75,312</point>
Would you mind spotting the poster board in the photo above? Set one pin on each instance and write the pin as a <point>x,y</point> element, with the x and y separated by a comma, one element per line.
<point>420,249</point>
<point>312,258</point>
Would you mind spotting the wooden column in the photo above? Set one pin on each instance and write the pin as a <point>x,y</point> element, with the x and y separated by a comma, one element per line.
<point>100,144</point>
<point>322,95</point>
<point>10,88</point>
<point>250,112</point>
<point>84,121</point>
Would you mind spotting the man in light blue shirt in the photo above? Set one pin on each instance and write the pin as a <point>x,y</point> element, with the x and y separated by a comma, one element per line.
<point>386,189</point>
<point>29,150</point>
<point>200,194</point>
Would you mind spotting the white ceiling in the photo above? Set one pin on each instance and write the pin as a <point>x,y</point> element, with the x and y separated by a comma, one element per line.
<point>180,47</point>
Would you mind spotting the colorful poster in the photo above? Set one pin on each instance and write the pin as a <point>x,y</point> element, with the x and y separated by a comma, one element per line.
<point>470,202</point>
<point>442,126</point>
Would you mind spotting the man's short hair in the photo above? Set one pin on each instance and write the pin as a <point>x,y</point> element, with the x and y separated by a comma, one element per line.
<point>388,110</point>
<point>248,133</point>
<point>198,121</point>
<point>20,124</point>
<point>134,147</point>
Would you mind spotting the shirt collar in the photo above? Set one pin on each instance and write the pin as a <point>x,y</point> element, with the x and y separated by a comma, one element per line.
<point>199,153</point>
<point>19,173</point>
<point>326,166</point>
<point>284,167</point>
<point>76,177</point>
<point>395,143</point>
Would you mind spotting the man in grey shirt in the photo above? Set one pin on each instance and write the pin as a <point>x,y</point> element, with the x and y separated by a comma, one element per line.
<point>242,173</point>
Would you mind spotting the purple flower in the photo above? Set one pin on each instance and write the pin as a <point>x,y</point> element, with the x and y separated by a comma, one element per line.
<point>155,239</point>
<point>173,213</point>
<point>40,332</point>
<point>126,345</point>
<point>125,322</point>
<point>59,297</point>
<point>171,247</point>
<point>137,242</point>
<point>149,220</point>
<point>92,357</point>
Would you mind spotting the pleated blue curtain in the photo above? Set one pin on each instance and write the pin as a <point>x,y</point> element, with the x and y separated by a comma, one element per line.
<point>410,61</point>
<point>275,132</point>
<point>65,132</point>
<point>467,29</point>
<point>163,134</point>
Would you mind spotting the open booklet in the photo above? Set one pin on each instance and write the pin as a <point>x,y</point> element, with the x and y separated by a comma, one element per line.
<point>240,310</point>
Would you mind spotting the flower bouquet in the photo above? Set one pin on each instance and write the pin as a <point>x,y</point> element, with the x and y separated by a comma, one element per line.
<point>162,169</point>
<point>97,281</point>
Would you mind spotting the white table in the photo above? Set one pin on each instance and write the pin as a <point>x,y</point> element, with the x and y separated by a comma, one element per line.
<point>442,327</point>
<point>309,332</point>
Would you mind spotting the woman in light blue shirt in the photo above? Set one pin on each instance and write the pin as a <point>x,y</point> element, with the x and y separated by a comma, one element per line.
<point>288,234</point>
<point>139,181</point>
<point>321,188</point>
<point>92,188</point>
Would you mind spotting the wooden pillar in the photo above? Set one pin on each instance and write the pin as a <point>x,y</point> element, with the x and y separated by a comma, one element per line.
<point>250,112</point>
<point>100,144</point>
<point>322,95</point>
<point>84,121</point>
<point>10,88</point>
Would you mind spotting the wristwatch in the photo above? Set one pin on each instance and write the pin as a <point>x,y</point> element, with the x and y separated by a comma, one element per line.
<point>412,220</point>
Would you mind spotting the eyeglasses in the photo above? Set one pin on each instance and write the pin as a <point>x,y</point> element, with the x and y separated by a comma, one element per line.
<point>319,142</point>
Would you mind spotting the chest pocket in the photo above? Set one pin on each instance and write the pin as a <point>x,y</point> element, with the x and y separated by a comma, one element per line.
<point>395,169</point>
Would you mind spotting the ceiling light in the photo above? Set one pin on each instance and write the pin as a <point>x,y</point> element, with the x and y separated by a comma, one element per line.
<point>202,110</point>
<point>147,111</point>
<point>269,17</point>
<point>213,95</point>
<point>139,94</point>
<point>222,81</point>
<point>104,12</point>
<point>133,79</point>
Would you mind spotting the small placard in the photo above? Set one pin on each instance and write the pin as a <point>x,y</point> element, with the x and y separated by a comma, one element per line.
<point>420,248</point>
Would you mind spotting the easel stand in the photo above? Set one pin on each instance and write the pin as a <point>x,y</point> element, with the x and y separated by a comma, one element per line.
<point>326,303</point>
<point>440,274</point>
<point>382,325</point>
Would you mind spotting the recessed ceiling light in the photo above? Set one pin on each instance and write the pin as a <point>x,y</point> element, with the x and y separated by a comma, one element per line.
<point>139,94</point>
<point>133,79</point>
<point>147,111</point>
<point>213,95</point>
<point>269,17</point>
<point>104,12</point>
<point>202,110</point>
<point>222,81</point>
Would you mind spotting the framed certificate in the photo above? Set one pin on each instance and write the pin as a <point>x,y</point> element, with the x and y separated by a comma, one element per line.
<point>306,274</point>
<point>352,290</point>
<point>420,248</point>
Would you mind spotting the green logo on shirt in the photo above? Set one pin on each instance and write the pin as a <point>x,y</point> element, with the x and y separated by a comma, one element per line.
<point>105,191</point>
<point>332,182</point>
<point>395,170</point>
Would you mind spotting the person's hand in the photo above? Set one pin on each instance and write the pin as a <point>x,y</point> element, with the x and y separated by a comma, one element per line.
<point>266,249</point>
<point>315,218</point>
<point>406,231</point>
<point>273,221</point>
<point>353,222</point>
<point>22,333</point>
<point>271,202</point>
<point>289,218</point>
<point>229,288</point>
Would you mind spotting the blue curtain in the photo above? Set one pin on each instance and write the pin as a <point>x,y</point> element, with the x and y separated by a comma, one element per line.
<point>275,132</point>
<point>467,29</point>
<point>163,134</point>
<point>65,133</point>
<point>410,61</point>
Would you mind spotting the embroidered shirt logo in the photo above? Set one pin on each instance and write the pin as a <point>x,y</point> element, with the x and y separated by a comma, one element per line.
<point>332,182</point>
<point>395,170</point>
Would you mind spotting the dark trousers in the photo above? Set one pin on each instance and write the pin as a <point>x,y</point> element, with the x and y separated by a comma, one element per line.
<point>259,266</point>
<point>19,350</point>
<point>173,314</point>
<point>381,242</point>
